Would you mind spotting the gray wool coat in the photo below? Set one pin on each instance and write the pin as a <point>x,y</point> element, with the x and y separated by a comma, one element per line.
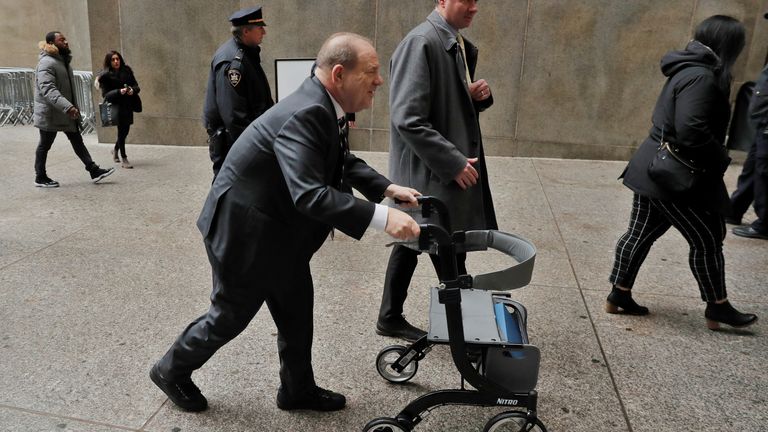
<point>434,123</point>
<point>54,91</point>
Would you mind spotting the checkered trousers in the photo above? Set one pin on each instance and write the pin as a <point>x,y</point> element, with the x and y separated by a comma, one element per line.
<point>704,231</point>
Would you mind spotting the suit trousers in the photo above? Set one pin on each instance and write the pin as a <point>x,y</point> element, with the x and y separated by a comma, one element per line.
<point>703,230</point>
<point>45,144</point>
<point>744,194</point>
<point>402,264</point>
<point>760,179</point>
<point>752,185</point>
<point>233,304</point>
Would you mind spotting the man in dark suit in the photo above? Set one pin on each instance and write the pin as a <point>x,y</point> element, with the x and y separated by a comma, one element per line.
<point>435,140</point>
<point>284,185</point>
<point>238,91</point>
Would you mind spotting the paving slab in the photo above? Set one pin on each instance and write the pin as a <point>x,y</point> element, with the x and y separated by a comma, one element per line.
<point>98,280</point>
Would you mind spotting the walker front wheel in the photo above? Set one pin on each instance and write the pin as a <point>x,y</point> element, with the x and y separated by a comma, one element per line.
<point>387,358</point>
<point>514,421</point>
<point>384,424</point>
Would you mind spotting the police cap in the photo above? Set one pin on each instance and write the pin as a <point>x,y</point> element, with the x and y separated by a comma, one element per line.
<point>248,16</point>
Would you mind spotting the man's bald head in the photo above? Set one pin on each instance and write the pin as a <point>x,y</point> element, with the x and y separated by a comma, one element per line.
<point>341,49</point>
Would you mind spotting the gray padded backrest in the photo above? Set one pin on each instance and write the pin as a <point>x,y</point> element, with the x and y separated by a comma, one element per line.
<point>520,249</point>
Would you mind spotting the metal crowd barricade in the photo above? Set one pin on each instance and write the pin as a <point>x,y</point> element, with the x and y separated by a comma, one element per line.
<point>82,90</point>
<point>17,97</point>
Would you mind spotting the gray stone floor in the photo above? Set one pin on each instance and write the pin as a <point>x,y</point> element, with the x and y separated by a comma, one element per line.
<point>97,280</point>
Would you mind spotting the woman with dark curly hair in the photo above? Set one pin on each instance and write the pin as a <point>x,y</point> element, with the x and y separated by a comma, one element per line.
<point>119,87</point>
<point>692,115</point>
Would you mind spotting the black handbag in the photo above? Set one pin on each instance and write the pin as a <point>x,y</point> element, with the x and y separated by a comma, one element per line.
<point>108,112</point>
<point>670,170</point>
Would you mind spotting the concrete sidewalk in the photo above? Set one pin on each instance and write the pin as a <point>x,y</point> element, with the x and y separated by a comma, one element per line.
<point>96,281</point>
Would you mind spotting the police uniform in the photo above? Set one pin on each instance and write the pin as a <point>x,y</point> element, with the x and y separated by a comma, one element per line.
<point>238,91</point>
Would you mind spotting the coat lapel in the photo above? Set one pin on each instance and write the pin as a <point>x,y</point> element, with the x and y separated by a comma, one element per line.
<point>451,45</point>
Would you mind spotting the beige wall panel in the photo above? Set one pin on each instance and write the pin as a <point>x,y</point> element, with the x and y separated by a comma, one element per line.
<point>570,79</point>
<point>498,31</point>
<point>591,73</point>
<point>747,11</point>
<point>757,50</point>
<point>395,19</point>
<point>24,23</point>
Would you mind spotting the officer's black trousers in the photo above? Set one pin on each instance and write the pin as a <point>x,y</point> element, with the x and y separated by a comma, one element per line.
<point>233,304</point>
<point>402,264</point>
<point>753,184</point>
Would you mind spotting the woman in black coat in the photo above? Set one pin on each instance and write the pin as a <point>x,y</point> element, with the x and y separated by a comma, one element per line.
<point>119,87</point>
<point>691,114</point>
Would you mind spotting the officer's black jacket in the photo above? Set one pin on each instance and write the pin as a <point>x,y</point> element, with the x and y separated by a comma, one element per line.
<point>235,96</point>
<point>758,106</point>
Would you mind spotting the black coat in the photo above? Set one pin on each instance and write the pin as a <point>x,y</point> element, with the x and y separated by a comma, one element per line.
<point>272,203</point>
<point>694,111</point>
<point>235,96</point>
<point>110,82</point>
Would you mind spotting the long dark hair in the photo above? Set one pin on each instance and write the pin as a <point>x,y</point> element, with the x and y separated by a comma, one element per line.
<point>726,36</point>
<point>108,60</point>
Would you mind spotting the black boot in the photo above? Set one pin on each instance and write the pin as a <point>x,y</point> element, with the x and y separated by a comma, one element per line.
<point>726,314</point>
<point>620,299</point>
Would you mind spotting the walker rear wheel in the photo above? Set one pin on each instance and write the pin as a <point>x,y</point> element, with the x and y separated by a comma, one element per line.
<point>387,357</point>
<point>514,421</point>
<point>384,424</point>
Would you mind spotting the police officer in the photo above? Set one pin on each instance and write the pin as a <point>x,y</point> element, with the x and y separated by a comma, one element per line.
<point>238,90</point>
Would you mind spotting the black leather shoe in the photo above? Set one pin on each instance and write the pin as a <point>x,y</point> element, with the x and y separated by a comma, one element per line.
<point>400,328</point>
<point>183,392</point>
<point>748,231</point>
<point>317,399</point>
<point>726,314</point>
<point>620,299</point>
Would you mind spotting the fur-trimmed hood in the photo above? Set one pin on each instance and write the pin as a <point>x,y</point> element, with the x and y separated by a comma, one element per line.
<point>47,48</point>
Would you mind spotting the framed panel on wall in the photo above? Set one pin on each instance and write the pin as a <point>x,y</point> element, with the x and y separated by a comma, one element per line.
<point>290,73</point>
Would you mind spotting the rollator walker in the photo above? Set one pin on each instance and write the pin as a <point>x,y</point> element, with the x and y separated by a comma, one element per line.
<point>485,329</point>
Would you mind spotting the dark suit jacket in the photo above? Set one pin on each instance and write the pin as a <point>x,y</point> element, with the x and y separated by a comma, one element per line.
<point>272,202</point>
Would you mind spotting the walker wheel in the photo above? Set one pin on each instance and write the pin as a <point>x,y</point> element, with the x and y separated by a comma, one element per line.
<point>384,424</point>
<point>387,357</point>
<point>514,421</point>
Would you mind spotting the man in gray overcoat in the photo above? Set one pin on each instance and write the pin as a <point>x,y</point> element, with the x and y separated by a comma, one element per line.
<point>55,109</point>
<point>435,145</point>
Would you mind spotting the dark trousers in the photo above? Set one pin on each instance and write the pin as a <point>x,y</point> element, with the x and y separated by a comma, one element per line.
<point>402,264</point>
<point>752,185</point>
<point>742,197</point>
<point>46,141</point>
<point>233,304</point>
<point>703,230</point>
<point>122,134</point>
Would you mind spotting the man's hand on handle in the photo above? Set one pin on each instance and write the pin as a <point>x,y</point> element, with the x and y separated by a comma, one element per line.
<point>401,226</point>
<point>403,196</point>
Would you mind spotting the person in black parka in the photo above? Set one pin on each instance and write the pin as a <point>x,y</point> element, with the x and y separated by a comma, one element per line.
<point>118,86</point>
<point>693,112</point>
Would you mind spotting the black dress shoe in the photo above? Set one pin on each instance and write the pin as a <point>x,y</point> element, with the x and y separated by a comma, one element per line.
<point>183,392</point>
<point>317,399</point>
<point>748,231</point>
<point>620,299</point>
<point>400,328</point>
<point>726,314</point>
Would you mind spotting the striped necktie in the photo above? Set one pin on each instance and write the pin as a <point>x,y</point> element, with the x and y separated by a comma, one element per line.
<point>343,151</point>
